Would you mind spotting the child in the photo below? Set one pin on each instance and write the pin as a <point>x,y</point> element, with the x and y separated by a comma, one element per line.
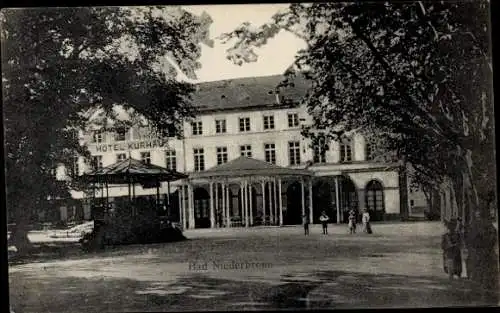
<point>305,222</point>
<point>324,222</point>
<point>366,222</point>
<point>352,222</point>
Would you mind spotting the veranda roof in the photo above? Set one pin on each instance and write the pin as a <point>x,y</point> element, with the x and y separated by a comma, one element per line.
<point>245,166</point>
<point>131,170</point>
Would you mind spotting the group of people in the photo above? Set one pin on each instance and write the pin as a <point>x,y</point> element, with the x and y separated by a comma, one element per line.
<point>324,219</point>
<point>471,248</point>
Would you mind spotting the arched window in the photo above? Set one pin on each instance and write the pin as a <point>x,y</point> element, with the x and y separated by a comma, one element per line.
<point>375,197</point>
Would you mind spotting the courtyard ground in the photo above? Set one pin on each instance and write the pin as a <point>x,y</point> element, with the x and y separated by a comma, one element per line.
<point>400,265</point>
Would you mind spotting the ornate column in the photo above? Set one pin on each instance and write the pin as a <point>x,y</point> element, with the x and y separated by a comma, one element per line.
<point>337,198</point>
<point>212,215</point>
<point>224,212</point>
<point>251,204</point>
<point>310,201</point>
<point>280,199</point>
<point>263,185</point>
<point>271,215</point>
<point>184,206</point>
<point>181,216</point>
<point>228,215</point>
<point>191,206</point>
<point>247,215</point>
<point>303,196</point>
<point>242,202</point>
<point>275,200</point>
<point>217,206</point>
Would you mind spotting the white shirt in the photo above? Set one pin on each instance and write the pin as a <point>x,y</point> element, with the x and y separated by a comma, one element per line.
<point>366,217</point>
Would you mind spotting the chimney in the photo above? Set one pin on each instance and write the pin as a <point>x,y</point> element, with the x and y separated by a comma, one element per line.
<point>278,100</point>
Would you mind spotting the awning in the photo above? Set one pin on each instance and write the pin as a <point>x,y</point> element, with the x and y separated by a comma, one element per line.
<point>131,171</point>
<point>245,166</point>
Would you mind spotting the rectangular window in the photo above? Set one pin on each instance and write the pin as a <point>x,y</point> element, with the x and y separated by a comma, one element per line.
<point>120,134</point>
<point>320,148</point>
<point>74,135</point>
<point>346,151</point>
<point>199,159</point>
<point>270,152</point>
<point>221,155</point>
<point>268,122</point>
<point>369,152</point>
<point>121,157</point>
<point>197,128</point>
<point>294,152</point>
<point>244,124</point>
<point>220,126</point>
<point>246,150</point>
<point>97,162</point>
<point>171,160</point>
<point>75,170</point>
<point>293,120</point>
<point>146,157</point>
<point>99,136</point>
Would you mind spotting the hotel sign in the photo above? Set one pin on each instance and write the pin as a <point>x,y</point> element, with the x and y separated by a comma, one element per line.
<point>125,146</point>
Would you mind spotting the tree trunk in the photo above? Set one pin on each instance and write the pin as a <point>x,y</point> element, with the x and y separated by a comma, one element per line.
<point>19,239</point>
<point>19,236</point>
<point>481,237</point>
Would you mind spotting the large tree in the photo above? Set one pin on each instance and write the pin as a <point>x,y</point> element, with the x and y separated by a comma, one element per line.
<point>418,73</point>
<point>59,63</point>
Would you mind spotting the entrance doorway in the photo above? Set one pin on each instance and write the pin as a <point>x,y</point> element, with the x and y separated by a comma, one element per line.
<point>324,200</point>
<point>201,208</point>
<point>348,197</point>
<point>293,214</point>
<point>375,200</point>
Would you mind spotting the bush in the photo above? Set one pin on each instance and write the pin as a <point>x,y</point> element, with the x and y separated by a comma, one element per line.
<point>123,232</point>
<point>432,216</point>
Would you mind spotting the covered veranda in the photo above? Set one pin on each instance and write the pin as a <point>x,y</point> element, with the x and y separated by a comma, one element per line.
<point>129,172</point>
<point>244,192</point>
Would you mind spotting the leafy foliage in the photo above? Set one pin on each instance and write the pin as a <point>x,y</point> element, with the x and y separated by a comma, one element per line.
<point>59,64</point>
<point>418,73</point>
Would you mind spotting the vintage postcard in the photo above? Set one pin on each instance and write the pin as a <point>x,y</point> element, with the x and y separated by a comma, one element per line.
<point>335,155</point>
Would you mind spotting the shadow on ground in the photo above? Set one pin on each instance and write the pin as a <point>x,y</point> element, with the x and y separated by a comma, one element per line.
<point>41,252</point>
<point>324,289</point>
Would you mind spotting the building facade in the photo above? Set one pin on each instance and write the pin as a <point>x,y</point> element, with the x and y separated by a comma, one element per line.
<point>247,118</point>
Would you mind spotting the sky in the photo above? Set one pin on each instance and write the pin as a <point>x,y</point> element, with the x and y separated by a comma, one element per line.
<point>274,58</point>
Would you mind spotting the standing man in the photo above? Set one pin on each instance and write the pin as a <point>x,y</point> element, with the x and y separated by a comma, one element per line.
<point>352,221</point>
<point>305,222</point>
<point>324,222</point>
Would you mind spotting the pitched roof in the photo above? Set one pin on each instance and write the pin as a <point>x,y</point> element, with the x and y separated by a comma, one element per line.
<point>244,166</point>
<point>247,92</point>
<point>123,171</point>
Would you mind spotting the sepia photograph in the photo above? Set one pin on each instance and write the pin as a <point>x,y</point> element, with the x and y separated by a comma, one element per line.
<point>223,157</point>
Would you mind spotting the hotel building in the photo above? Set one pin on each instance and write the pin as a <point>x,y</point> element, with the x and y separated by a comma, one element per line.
<point>248,163</point>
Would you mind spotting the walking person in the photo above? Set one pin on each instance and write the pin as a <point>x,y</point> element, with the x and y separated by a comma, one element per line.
<point>366,222</point>
<point>352,222</point>
<point>450,243</point>
<point>305,222</point>
<point>324,222</point>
